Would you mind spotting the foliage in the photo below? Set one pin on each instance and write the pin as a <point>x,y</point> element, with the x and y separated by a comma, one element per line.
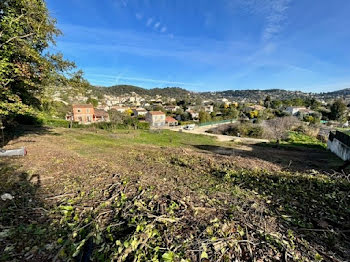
<point>338,109</point>
<point>130,123</point>
<point>204,117</point>
<point>253,114</point>
<point>296,138</point>
<point>92,101</point>
<point>230,112</point>
<point>239,129</point>
<point>173,92</point>
<point>26,31</point>
<point>279,127</point>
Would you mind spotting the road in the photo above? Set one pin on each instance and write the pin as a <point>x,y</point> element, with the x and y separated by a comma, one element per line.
<point>201,130</point>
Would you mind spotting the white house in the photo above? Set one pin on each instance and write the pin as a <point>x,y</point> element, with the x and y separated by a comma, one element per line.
<point>139,111</point>
<point>293,110</point>
<point>155,118</point>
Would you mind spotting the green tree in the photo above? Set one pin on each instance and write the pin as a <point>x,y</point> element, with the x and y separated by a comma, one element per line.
<point>276,104</point>
<point>338,109</point>
<point>313,104</point>
<point>92,101</point>
<point>204,117</point>
<point>26,31</point>
<point>267,102</point>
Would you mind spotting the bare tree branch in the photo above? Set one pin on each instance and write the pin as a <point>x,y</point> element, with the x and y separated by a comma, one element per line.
<point>13,38</point>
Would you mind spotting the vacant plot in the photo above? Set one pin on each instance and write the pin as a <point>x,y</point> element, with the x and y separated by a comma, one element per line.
<point>147,196</point>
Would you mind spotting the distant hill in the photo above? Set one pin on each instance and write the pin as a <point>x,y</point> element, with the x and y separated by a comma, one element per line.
<point>256,95</point>
<point>175,92</point>
<point>249,95</point>
<point>344,93</point>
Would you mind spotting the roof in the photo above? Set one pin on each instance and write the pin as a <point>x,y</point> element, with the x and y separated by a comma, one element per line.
<point>170,119</point>
<point>82,106</point>
<point>156,113</point>
<point>100,112</point>
<point>297,107</point>
<point>140,109</point>
<point>257,107</point>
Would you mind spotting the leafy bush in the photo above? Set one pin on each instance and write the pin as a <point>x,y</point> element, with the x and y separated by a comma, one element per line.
<point>28,119</point>
<point>237,129</point>
<point>56,122</point>
<point>135,124</point>
<point>295,138</point>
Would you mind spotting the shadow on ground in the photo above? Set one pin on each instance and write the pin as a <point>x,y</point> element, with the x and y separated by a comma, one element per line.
<point>22,130</point>
<point>316,207</point>
<point>293,159</point>
<point>24,221</point>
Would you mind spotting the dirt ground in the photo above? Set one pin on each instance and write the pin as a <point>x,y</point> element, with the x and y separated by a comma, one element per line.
<point>62,165</point>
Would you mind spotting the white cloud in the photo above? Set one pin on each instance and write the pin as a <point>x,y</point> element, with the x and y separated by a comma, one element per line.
<point>138,16</point>
<point>163,30</point>
<point>276,18</point>
<point>119,77</point>
<point>149,21</point>
<point>156,25</point>
<point>274,12</point>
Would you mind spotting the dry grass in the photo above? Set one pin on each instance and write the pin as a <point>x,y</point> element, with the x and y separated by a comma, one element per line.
<point>168,196</point>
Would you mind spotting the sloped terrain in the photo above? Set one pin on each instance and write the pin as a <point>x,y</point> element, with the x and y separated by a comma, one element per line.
<point>144,196</point>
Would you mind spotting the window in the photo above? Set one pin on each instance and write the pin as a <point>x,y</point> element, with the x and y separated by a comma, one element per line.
<point>88,110</point>
<point>79,110</point>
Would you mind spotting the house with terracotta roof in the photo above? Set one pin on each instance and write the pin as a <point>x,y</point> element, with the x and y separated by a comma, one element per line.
<point>87,114</point>
<point>155,118</point>
<point>101,116</point>
<point>83,113</point>
<point>170,121</point>
<point>171,108</point>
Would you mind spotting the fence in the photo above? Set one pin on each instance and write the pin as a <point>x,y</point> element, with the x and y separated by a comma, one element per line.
<point>217,122</point>
<point>342,137</point>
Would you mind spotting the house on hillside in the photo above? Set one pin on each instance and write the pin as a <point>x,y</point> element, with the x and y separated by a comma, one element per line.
<point>139,111</point>
<point>170,121</point>
<point>101,116</point>
<point>209,108</point>
<point>87,114</point>
<point>82,113</point>
<point>256,107</point>
<point>155,118</point>
<point>120,109</point>
<point>294,110</point>
<point>194,115</point>
<point>171,108</point>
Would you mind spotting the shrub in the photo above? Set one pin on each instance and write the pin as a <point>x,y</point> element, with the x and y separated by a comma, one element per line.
<point>56,122</point>
<point>311,130</point>
<point>28,119</point>
<point>279,127</point>
<point>237,129</point>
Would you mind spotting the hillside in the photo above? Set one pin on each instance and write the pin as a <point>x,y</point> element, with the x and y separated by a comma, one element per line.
<point>135,195</point>
<point>118,90</point>
<point>344,93</point>
<point>256,95</point>
<point>238,95</point>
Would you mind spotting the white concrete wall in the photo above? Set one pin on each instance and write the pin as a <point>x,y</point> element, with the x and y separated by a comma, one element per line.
<point>340,149</point>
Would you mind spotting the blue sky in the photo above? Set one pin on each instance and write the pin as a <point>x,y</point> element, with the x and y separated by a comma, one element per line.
<point>206,45</point>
